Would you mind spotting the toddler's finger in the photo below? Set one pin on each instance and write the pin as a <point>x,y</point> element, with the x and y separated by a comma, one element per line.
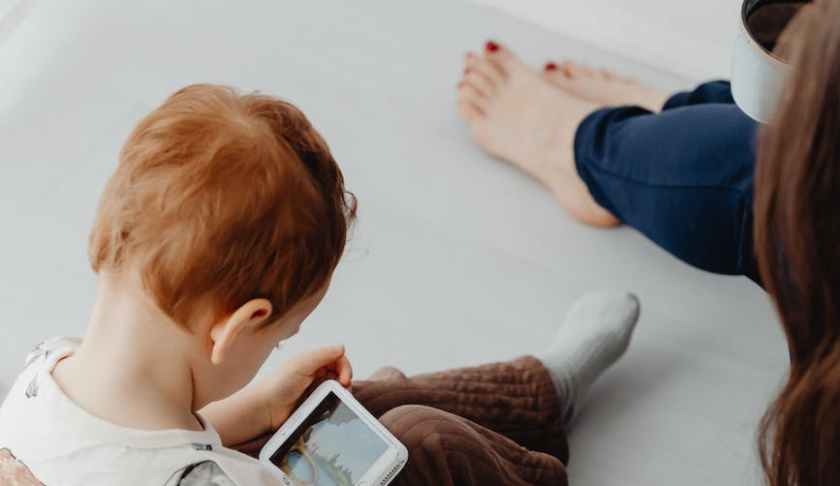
<point>345,371</point>
<point>313,361</point>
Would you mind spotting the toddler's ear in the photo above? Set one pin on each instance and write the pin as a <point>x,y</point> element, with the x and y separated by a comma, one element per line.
<point>226,333</point>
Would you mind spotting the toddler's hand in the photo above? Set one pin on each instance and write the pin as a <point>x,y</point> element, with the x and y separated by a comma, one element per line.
<point>15,473</point>
<point>283,391</point>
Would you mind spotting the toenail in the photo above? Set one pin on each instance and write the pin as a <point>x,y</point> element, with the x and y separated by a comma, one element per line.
<point>491,46</point>
<point>551,67</point>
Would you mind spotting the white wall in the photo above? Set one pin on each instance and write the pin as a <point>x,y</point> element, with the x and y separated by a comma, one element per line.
<point>691,39</point>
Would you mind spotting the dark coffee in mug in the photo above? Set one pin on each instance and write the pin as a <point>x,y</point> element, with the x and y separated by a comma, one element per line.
<point>766,21</point>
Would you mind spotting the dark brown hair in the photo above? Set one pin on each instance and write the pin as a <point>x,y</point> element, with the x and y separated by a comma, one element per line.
<point>797,235</point>
<point>222,197</point>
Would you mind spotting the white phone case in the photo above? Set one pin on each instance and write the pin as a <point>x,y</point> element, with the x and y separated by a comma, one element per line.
<point>383,470</point>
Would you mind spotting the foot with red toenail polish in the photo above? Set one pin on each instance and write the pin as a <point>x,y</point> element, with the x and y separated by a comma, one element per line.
<point>515,114</point>
<point>604,87</point>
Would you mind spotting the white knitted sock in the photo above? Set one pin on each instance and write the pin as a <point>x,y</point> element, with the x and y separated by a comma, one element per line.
<point>594,335</point>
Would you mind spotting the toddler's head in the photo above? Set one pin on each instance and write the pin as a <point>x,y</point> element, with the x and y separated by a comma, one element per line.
<point>230,213</point>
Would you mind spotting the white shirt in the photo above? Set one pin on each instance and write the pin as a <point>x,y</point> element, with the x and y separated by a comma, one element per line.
<point>62,444</point>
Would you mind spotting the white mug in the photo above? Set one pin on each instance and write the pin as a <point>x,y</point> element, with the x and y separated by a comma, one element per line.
<point>758,77</point>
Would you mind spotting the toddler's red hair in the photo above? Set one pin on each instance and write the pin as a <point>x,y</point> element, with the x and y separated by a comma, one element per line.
<point>224,196</point>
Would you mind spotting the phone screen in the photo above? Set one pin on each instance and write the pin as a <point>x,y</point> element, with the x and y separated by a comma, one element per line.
<point>332,447</point>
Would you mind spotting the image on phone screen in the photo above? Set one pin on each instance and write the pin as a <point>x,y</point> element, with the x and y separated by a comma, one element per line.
<point>332,447</point>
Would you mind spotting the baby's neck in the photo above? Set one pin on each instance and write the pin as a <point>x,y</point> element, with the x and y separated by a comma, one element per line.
<point>132,368</point>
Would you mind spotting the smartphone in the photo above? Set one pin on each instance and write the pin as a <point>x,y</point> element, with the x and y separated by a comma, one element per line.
<point>332,440</point>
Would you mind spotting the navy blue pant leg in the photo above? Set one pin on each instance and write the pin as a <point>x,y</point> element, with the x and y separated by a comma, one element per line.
<point>683,177</point>
<point>711,92</point>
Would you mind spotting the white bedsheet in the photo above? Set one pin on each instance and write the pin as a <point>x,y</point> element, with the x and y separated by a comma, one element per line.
<point>457,259</point>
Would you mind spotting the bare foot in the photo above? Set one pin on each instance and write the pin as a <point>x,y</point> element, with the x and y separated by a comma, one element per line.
<point>603,87</point>
<point>516,115</point>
